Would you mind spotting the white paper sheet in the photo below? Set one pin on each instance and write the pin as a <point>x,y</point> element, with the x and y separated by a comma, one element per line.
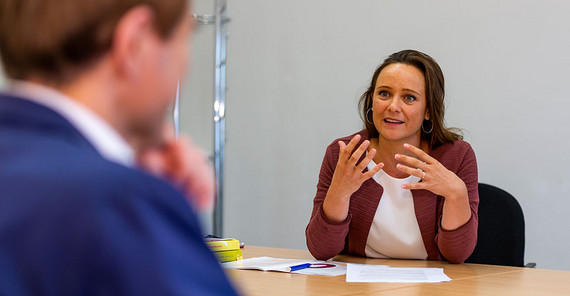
<point>318,267</point>
<point>381,274</point>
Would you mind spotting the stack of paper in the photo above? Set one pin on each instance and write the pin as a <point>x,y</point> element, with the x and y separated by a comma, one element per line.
<point>382,274</point>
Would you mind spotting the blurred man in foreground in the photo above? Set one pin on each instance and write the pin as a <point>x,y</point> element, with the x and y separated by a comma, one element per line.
<point>90,85</point>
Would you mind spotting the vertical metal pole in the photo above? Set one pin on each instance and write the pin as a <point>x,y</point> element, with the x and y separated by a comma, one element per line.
<point>219,115</point>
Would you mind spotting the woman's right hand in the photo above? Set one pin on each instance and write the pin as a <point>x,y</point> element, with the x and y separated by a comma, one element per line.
<point>348,177</point>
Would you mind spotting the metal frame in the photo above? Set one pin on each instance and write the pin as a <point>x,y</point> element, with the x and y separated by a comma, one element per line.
<point>220,20</point>
<point>220,114</point>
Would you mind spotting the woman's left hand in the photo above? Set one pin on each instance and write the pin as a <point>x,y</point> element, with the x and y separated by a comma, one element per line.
<point>435,177</point>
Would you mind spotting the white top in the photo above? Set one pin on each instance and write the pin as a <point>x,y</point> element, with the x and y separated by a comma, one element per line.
<point>395,232</point>
<point>98,132</point>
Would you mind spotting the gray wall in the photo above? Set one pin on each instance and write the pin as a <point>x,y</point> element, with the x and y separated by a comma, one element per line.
<point>296,69</point>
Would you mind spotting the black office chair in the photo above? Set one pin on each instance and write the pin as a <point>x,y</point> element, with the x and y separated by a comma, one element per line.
<point>500,238</point>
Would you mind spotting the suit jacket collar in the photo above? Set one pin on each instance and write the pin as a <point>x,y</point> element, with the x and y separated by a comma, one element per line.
<point>24,114</point>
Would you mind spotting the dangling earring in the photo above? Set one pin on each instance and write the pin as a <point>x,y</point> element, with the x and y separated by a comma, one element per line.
<point>424,129</point>
<point>367,116</point>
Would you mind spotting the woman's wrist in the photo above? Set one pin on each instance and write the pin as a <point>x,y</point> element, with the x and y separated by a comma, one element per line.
<point>335,207</point>
<point>458,194</point>
<point>456,209</point>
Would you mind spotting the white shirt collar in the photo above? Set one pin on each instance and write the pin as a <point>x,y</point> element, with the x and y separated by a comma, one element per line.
<point>98,132</point>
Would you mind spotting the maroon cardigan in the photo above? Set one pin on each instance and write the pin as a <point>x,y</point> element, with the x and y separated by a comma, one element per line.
<point>326,239</point>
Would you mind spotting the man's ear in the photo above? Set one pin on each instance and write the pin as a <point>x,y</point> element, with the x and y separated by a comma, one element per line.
<point>132,34</point>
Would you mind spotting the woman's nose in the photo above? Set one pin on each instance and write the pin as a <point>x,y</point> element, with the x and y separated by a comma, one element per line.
<point>394,105</point>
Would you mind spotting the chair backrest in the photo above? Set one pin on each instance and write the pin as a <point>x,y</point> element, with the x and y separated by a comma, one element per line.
<point>500,238</point>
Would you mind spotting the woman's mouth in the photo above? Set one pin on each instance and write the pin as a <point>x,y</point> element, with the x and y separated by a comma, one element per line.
<point>392,121</point>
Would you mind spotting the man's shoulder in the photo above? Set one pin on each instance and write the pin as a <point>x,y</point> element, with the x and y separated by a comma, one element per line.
<point>59,172</point>
<point>48,162</point>
<point>110,180</point>
<point>86,190</point>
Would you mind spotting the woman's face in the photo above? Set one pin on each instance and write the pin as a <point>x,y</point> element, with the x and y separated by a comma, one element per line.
<point>399,103</point>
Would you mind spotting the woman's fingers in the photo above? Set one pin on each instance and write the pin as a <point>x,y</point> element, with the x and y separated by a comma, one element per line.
<point>364,163</point>
<point>349,173</point>
<point>350,158</point>
<point>422,163</point>
<point>419,153</point>
<point>411,161</point>
<point>358,153</point>
<point>346,150</point>
<point>372,172</point>
<point>411,171</point>
<point>415,186</point>
<point>414,172</point>
<point>342,147</point>
<point>353,142</point>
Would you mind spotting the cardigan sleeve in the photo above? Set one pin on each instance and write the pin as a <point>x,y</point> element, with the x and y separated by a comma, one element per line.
<point>458,244</point>
<point>326,239</point>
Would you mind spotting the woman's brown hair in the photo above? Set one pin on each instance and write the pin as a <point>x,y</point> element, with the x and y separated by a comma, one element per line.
<point>435,92</point>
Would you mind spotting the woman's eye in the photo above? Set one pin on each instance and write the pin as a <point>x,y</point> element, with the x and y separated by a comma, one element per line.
<point>384,94</point>
<point>409,98</point>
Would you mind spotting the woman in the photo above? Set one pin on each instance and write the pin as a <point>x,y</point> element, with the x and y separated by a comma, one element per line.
<point>405,186</point>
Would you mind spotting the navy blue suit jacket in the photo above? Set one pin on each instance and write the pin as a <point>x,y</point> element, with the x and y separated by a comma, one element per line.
<point>74,223</point>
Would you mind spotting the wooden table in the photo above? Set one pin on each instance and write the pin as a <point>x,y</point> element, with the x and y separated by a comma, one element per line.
<point>467,279</point>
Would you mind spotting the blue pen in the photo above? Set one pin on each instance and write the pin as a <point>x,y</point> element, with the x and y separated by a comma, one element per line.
<point>298,267</point>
